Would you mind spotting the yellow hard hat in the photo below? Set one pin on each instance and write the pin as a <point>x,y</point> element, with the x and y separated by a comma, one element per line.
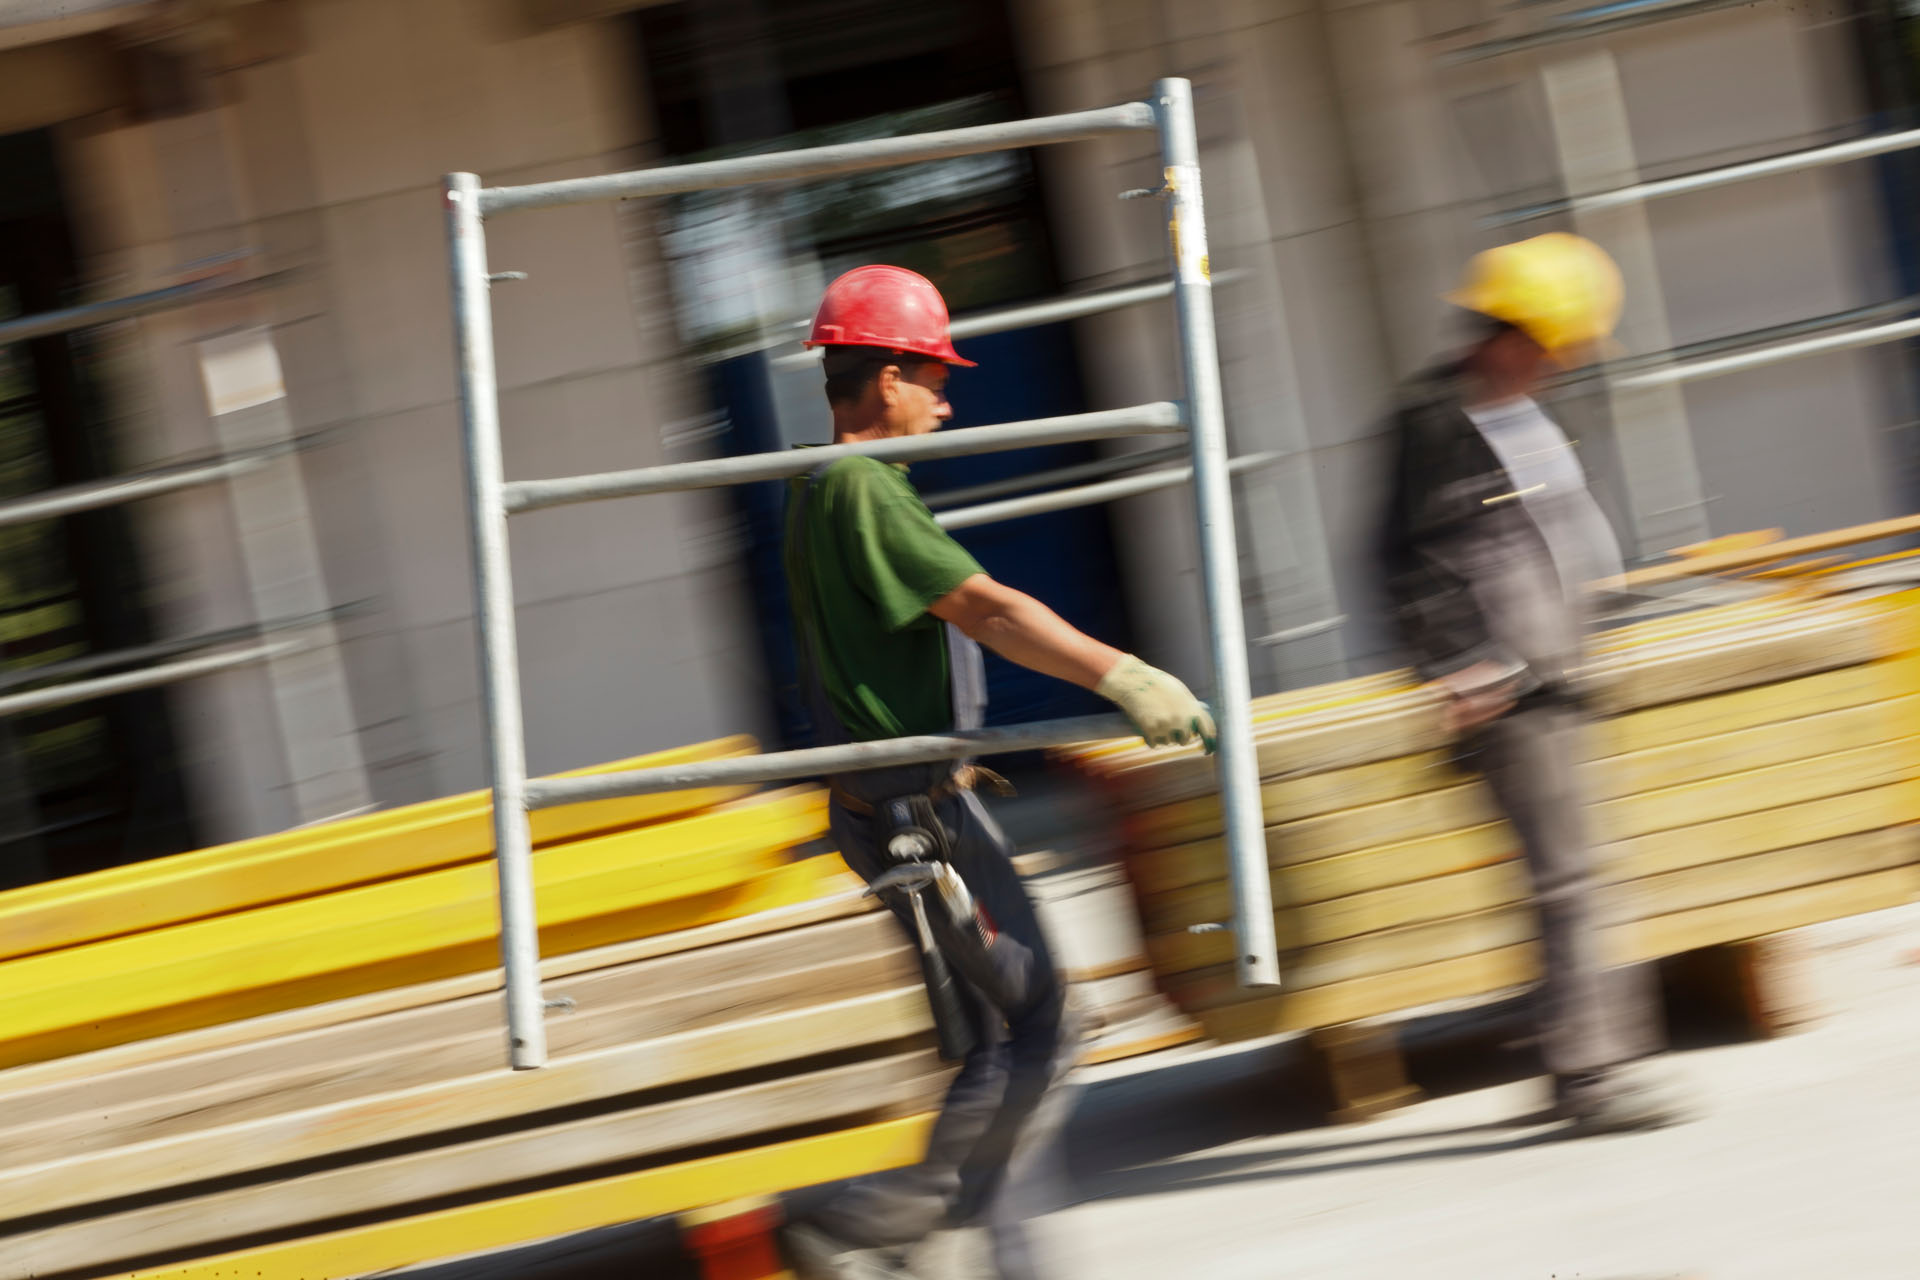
<point>1561,290</point>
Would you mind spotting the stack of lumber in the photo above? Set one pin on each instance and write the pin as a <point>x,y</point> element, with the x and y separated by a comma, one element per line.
<point>287,1057</point>
<point>1753,768</point>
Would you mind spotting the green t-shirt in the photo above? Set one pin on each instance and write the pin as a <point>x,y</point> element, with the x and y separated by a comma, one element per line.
<point>861,575</point>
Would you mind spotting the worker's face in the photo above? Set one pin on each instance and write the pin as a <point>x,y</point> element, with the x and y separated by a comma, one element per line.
<point>915,398</point>
<point>1514,362</point>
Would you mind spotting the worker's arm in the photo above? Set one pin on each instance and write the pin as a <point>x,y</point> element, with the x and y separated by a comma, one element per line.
<point>1021,629</point>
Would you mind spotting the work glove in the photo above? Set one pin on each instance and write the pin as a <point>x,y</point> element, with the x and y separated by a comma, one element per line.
<point>1163,710</point>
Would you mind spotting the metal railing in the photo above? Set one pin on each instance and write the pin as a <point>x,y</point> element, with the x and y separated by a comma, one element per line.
<point>1707,179</point>
<point>492,499</point>
<point>170,661</point>
<point>1586,24</point>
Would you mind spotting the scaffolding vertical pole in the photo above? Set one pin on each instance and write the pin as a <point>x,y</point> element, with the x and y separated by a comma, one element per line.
<point>493,604</point>
<point>1256,959</point>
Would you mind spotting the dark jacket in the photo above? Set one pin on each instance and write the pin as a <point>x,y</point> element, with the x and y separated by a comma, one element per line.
<point>1467,572</point>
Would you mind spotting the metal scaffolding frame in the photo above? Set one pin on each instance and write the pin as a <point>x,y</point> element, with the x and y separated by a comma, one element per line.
<point>171,661</point>
<point>1650,382</point>
<point>492,499</point>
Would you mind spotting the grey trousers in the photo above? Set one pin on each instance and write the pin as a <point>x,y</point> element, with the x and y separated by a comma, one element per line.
<point>997,1125</point>
<point>1592,1019</point>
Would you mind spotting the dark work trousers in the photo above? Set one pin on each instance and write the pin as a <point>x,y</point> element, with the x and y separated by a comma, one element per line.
<point>987,1152</point>
<point>991,1149</point>
<point>1592,1019</point>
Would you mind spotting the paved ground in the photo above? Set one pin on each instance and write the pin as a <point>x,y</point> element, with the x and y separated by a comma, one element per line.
<point>1805,1162</point>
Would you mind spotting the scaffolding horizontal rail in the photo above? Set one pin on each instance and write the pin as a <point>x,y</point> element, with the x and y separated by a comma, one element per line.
<point>1706,179</point>
<point>1159,418</point>
<point>87,315</point>
<point>1073,306</point>
<point>1097,469</point>
<point>1086,495</point>
<point>1607,20</point>
<point>65,695</point>
<point>813,762</point>
<point>161,650</point>
<point>1695,370</point>
<point>116,491</point>
<point>821,162</point>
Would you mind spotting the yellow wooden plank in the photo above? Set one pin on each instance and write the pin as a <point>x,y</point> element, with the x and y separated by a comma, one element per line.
<point>1723,754</point>
<point>1874,719</point>
<point>902,1083</point>
<point>1696,718</point>
<point>1797,824</point>
<point>1373,997</point>
<point>541,1215</point>
<point>1763,873</point>
<point>1774,787</point>
<point>1815,638</point>
<point>1770,913</point>
<point>787,897</point>
<point>1397,863</point>
<point>1325,835</point>
<point>1735,652</point>
<point>427,926</point>
<point>624,1007</point>
<point>1165,870</point>
<point>448,1105</point>
<point>313,860</point>
<point>1364,957</point>
<point>1174,950</point>
<point>1139,1048</point>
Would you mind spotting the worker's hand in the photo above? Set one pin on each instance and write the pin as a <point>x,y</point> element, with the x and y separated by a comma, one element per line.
<point>1477,695</point>
<point>1162,709</point>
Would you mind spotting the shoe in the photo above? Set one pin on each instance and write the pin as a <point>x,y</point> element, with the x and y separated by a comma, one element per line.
<point>1599,1105</point>
<point>818,1255</point>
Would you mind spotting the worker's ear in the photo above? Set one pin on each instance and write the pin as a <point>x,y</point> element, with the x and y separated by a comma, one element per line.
<point>888,381</point>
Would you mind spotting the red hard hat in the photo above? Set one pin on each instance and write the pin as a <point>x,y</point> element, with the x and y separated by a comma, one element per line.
<point>888,307</point>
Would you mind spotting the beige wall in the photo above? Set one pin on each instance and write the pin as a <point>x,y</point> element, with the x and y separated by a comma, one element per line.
<point>328,157</point>
<point>1346,168</point>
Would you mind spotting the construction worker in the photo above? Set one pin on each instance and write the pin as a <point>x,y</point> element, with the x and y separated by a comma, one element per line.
<point>887,610</point>
<point>1490,538</point>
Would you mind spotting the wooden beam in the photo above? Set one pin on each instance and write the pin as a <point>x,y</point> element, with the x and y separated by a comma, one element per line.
<point>1161,871</point>
<point>378,1119</point>
<point>1370,955</point>
<point>1771,646</point>
<point>386,1188</point>
<point>103,1093</point>
<point>1404,989</point>
<point>1808,822</point>
<point>1774,787</point>
<point>423,927</point>
<point>1763,873</point>
<point>791,897</point>
<point>1769,553</point>
<point>652,1006</point>
<point>1679,723</point>
<point>583,1206</point>
<point>1326,835</point>
<point>1771,913</point>
<point>313,860</point>
<point>1175,951</point>
<point>1139,1048</point>
<point>1725,754</point>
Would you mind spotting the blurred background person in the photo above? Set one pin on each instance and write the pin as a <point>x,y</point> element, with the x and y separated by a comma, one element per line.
<point>1489,539</point>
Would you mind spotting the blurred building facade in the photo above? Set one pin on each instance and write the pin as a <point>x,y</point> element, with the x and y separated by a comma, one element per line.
<point>1352,148</point>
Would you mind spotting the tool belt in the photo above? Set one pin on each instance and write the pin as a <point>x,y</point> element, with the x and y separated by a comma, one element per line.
<point>968,777</point>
